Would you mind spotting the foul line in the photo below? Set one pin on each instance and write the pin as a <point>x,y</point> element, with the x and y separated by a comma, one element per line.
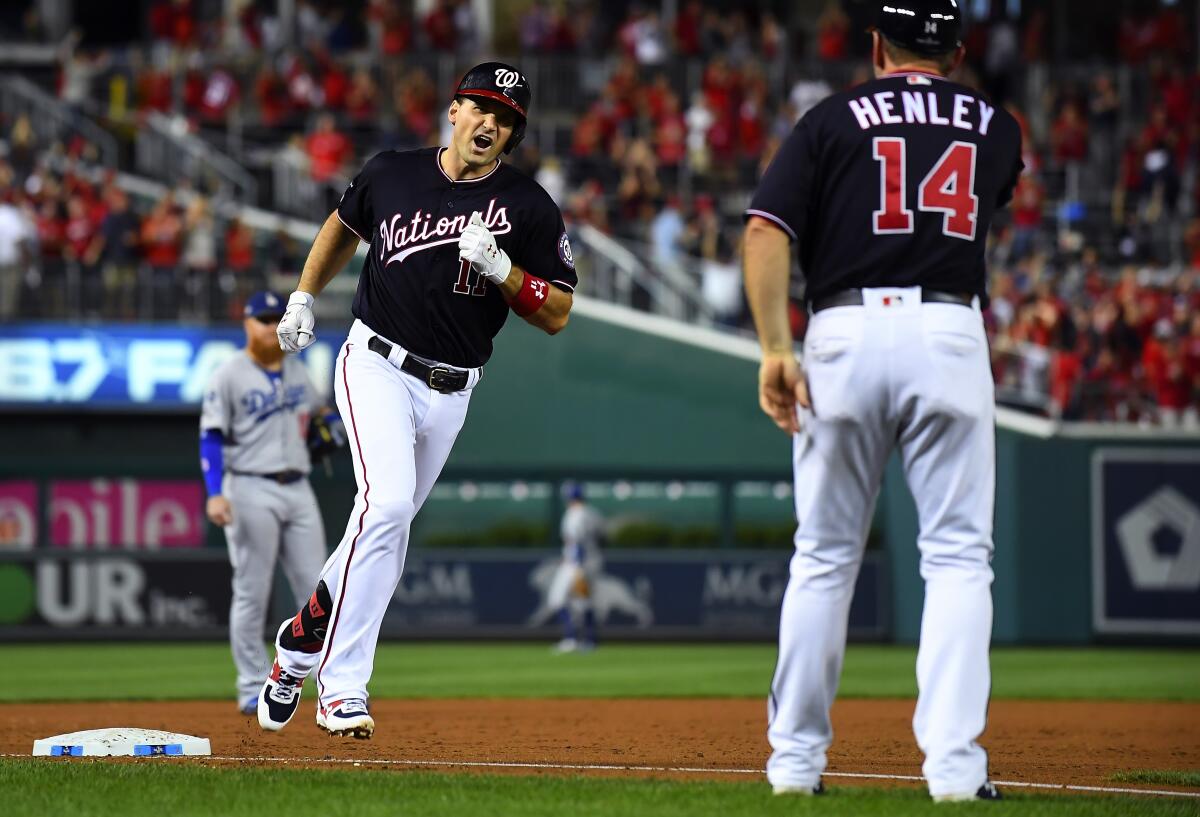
<point>604,767</point>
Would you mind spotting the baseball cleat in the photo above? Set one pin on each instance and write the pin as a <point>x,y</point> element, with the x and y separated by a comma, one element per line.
<point>566,645</point>
<point>248,706</point>
<point>279,699</point>
<point>348,718</point>
<point>987,791</point>
<point>801,791</point>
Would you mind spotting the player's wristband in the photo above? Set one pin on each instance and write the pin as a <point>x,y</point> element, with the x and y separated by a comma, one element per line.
<point>530,296</point>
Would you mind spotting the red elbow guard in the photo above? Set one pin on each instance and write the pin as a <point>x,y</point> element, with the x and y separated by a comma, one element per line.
<point>530,296</point>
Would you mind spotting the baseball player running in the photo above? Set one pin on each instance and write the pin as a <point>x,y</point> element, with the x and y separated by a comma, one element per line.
<point>887,190</point>
<point>570,593</point>
<point>255,414</point>
<point>457,241</point>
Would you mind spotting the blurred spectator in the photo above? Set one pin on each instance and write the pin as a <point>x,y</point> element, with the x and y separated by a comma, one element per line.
<point>22,147</point>
<point>666,235</point>
<point>199,257</point>
<point>1069,136</point>
<point>833,29</point>
<point>465,29</point>
<point>240,275</point>
<point>550,177</point>
<point>118,250</point>
<point>270,92</point>
<point>687,28</point>
<point>328,149</point>
<point>1001,57</point>
<point>1026,209</point>
<point>389,29</point>
<point>51,236</point>
<point>806,93</point>
<point>417,104</point>
<point>17,237</point>
<point>162,243</point>
<point>81,255</point>
<point>439,26</point>
<point>533,27</point>
<point>700,120</point>
<point>362,98</point>
<point>643,37</point>
<point>1104,108</point>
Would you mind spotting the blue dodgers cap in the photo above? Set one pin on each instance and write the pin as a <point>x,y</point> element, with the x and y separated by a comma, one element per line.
<point>263,303</point>
<point>573,490</point>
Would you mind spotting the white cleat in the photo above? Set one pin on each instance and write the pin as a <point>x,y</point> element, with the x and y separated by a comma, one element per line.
<point>278,699</point>
<point>987,791</point>
<point>800,791</point>
<point>348,718</point>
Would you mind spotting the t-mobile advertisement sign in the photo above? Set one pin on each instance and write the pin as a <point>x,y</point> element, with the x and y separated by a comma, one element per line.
<point>128,514</point>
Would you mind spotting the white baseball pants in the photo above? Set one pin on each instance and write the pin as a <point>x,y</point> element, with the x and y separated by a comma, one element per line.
<point>400,433</point>
<point>900,373</point>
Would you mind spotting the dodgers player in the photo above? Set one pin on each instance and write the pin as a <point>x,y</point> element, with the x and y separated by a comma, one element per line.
<point>458,240</point>
<point>582,530</point>
<point>252,453</point>
<point>887,189</point>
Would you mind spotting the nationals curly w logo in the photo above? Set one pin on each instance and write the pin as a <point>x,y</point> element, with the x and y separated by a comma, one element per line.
<point>506,78</point>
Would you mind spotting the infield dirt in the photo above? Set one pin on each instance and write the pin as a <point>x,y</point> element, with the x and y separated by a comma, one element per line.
<point>1077,743</point>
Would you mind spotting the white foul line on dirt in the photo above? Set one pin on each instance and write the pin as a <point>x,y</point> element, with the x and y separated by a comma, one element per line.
<point>605,767</point>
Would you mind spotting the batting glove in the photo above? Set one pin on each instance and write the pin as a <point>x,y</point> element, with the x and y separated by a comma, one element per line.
<point>296,326</point>
<point>478,246</point>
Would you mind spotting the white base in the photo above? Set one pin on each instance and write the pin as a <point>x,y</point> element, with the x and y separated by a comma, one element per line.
<point>120,741</point>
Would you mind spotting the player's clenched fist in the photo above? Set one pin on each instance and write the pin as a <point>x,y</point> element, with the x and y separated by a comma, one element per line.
<point>296,326</point>
<point>478,246</point>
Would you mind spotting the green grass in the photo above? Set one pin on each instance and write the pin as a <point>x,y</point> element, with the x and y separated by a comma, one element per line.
<point>1159,777</point>
<point>52,672</point>
<point>157,787</point>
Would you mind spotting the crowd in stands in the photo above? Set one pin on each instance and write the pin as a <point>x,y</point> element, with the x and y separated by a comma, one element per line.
<point>660,140</point>
<point>73,244</point>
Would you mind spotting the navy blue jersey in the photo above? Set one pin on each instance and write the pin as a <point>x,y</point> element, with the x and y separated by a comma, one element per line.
<point>413,289</point>
<point>893,183</point>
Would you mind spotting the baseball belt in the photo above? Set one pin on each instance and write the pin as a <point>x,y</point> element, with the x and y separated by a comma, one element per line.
<point>854,297</point>
<point>438,378</point>
<point>282,477</point>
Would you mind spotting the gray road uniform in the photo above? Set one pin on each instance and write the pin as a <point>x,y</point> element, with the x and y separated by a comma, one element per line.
<point>262,417</point>
<point>582,531</point>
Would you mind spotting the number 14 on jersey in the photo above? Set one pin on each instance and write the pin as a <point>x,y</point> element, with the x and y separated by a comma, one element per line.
<point>948,188</point>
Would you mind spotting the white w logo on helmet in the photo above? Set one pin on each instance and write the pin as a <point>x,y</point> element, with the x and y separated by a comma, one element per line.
<point>506,78</point>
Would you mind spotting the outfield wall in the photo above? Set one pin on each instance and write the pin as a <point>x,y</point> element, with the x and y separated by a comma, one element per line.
<point>1097,528</point>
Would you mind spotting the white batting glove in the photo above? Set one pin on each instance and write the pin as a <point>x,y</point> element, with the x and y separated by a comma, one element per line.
<point>296,326</point>
<point>478,246</point>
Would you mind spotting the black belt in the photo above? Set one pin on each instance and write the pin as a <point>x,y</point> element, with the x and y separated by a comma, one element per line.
<point>854,297</point>
<point>282,477</point>
<point>438,378</point>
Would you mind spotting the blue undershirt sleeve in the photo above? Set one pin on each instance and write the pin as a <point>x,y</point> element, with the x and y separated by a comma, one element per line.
<point>212,461</point>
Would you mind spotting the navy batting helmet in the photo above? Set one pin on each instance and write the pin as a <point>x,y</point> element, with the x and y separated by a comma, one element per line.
<point>928,27</point>
<point>500,82</point>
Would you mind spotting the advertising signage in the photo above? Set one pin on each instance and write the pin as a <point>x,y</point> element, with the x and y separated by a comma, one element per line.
<point>127,366</point>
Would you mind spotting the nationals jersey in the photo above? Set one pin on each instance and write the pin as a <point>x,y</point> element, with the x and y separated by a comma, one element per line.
<point>262,415</point>
<point>413,289</point>
<point>893,183</point>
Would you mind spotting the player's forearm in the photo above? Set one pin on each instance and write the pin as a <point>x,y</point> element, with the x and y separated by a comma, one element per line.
<point>766,257</point>
<point>553,314</point>
<point>331,251</point>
